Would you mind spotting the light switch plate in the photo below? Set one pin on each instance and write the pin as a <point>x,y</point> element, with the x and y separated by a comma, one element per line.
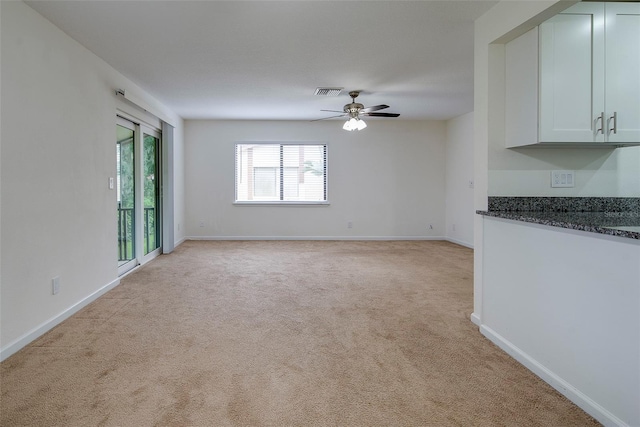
<point>563,179</point>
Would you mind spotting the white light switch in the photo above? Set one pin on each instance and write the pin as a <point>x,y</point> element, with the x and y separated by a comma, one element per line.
<point>110,183</point>
<point>562,179</point>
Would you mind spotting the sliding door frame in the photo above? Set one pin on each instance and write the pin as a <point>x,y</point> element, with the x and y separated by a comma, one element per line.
<point>133,262</point>
<point>142,128</point>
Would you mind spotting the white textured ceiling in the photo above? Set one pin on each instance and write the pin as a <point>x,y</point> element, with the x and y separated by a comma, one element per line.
<point>264,59</point>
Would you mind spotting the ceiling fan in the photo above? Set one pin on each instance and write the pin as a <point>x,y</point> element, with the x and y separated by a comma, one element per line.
<point>355,111</point>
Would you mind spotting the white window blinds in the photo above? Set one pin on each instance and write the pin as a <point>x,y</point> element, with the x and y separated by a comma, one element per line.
<point>281,173</point>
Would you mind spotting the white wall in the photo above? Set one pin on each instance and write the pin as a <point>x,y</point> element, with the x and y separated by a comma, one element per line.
<point>58,152</point>
<point>502,23</point>
<point>179,202</point>
<point>387,179</point>
<point>628,171</point>
<point>598,172</point>
<point>459,211</point>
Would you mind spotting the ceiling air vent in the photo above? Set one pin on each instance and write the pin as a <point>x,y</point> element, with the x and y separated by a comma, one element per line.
<point>328,91</point>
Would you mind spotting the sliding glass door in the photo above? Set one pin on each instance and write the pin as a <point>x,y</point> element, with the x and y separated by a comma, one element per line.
<point>138,174</point>
<point>125,185</point>
<point>151,223</point>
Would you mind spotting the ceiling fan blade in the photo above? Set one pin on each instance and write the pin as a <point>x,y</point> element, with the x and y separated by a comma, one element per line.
<point>382,114</point>
<point>374,108</point>
<point>334,111</point>
<point>327,118</point>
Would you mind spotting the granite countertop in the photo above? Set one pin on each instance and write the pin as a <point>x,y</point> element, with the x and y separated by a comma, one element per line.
<point>582,213</point>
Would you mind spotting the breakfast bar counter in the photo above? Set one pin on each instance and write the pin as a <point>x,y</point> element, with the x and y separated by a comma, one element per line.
<point>605,215</point>
<point>560,289</point>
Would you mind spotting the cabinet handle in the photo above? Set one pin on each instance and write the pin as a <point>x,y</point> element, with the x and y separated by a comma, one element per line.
<point>601,128</point>
<point>614,119</point>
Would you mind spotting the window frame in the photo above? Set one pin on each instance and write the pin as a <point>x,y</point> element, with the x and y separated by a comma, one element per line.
<point>282,202</point>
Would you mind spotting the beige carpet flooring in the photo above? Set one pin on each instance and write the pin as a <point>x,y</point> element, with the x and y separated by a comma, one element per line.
<point>281,334</point>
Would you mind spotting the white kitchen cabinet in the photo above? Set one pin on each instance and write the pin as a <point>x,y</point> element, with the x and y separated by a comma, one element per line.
<point>622,83</point>
<point>572,75</point>
<point>575,80</point>
<point>521,90</point>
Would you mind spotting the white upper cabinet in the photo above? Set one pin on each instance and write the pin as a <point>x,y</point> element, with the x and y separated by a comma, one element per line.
<point>622,83</point>
<point>575,80</point>
<point>572,75</point>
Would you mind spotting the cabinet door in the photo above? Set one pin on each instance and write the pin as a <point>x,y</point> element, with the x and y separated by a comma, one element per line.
<point>622,52</point>
<point>521,90</point>
<point>572,75</point>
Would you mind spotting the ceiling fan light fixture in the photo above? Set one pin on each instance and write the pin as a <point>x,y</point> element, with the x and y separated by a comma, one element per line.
<point>354,110</point>
<point>354,124</point>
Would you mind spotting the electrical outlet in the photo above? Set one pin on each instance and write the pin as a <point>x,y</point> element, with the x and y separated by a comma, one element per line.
<point>55,285</point>
<point>349,224</point>
<point>201,223</point>
<point>562,179</point>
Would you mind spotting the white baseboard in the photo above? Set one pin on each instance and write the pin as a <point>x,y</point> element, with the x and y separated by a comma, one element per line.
<point>573,394</point>
<point>315,238</point>
<point>38,331</point>
<point>475,319</point>
<point>459,242</point>
<point>179,242</point>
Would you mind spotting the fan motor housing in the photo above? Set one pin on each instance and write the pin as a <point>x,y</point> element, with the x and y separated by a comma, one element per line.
<point>354,107</point>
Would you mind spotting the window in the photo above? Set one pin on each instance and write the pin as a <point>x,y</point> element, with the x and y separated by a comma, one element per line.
<point>281,173</point>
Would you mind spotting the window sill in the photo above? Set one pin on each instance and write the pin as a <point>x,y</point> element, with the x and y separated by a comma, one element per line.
<point>299,204</point>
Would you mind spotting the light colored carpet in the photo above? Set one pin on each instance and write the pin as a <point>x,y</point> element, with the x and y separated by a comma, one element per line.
<point>281,334</point>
